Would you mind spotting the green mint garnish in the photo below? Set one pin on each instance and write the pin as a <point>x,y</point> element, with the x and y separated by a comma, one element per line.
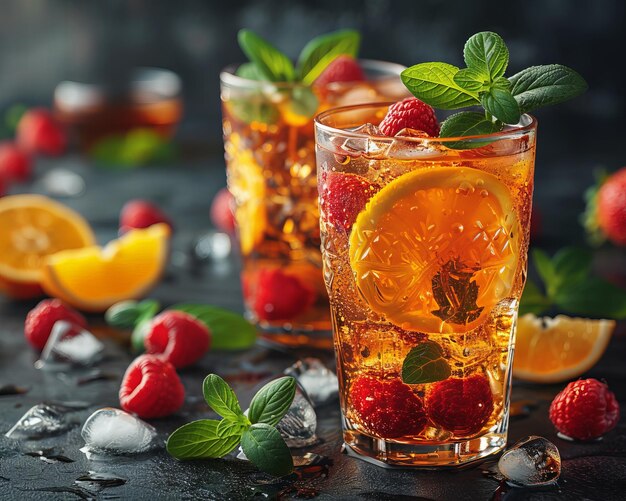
<point>127,314</point>
<point>483,83</point>
<point>322,50</point>
<point>259,439</point>
<point>425,364</point>
<point>568,285</point>
<point>270,62</point>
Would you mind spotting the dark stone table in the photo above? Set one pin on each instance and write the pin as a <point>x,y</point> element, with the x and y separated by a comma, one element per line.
<point>594,471</point>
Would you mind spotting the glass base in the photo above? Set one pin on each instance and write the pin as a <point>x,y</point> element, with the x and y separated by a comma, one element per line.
<point>388,454</point>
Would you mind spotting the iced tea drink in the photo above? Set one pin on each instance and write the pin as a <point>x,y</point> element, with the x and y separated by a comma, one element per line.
<point>424,244</point>
<point>270,154</point>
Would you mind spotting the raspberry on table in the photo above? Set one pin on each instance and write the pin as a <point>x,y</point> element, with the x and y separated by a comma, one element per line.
<point>460,405</point>
<point>410,113</point>
<point>387,408</point>
<point>141,214</point>
<point>177,337</point>
<point>151,388</point>
<point>40,320</point>
<point>39,132</point>
<point>344,196</point>
<point>280,296</point>
<point>15,165</point>
<point>342,69</point>
<point>585,409</point>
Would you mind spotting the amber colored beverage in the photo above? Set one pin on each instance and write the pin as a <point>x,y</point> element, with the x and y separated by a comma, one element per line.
<point>424,283</point>
<point>270,155</point>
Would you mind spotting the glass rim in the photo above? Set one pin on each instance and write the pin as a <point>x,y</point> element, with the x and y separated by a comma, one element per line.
<point>387,69</point>
<point>513,132</point>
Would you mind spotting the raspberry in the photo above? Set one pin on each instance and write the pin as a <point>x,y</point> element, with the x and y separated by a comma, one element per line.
<point>585,409</point>
<point>151,388</point>
<point>280,296</point>
<point>410,113</point>
<point>41,318</point>
<point>38,132</point>
<point>344,196</point>
<point>141,214</point>
<point>612,207</point>
<point>342,69</point>
<point>15,165</point>
<point>179,337</point>
<point>222,211</point>
<point>387,409</point>
<point>3,187</point>
<point>460,405</point>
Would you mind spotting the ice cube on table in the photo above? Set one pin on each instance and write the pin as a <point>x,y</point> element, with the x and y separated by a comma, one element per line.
<point>69,344</point>
<point>298,426</point>
<point>113,431</point>
<point>533,461</point>
<point>317,380</point>
<point>41,421</point>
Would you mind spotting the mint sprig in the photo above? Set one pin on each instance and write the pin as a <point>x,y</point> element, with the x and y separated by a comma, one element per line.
<point>259,439</point>
<point>269,61</point>
<point>425,363</point>
<point>569,286</point>
<point>324,49</point>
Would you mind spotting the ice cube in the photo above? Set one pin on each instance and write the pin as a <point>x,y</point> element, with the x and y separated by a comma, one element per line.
<point>408,132</point>
<point>404,147</point>
<point>60,182</point>
<point>299,424</point>
<point>41,421</point>
<point>532,461</point>
<point>213,245</point>
<point>69,344</point>
<point>356,146</point>
<point>318,381</point>
<point>113,431</point>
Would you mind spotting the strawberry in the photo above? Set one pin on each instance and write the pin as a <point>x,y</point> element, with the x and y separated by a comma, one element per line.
<point>41,318</point>
<point>38,132</point>
<point>151,388</point>
<point>180,338</point>
<point>280,296</point>
<point>222,211</point>
<point>344,196</point>
<point>410,113</point>
<point>15,165</point>
<point>611,206</point>
<point>387,409</point>
<point>585,409</point>
<point>460,405</point>
<point>141,214</point>
<point>342,69</point>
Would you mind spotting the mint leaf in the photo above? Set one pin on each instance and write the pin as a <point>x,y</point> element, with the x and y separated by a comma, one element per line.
<point>533,300</point>
<point>271,63</point>
<point>230,331</point>
<point>425,364</point>
<point>272,401</point>
<point>200,439</point>
<point>227,428</point>
<point>303,102</point>
<point>139,334</point>
<point>250,71</point>
<point>266,449</point>
<point>221,398</point>
<point>486,53</point>
<point>434,84</point>
<point>471,80</point>
<point>127,314</point>
<point>501,83</point>
<point>593,297</point>
<point>322,50</point>
<point>501,104</point>
<point>571,266</point>
<point>546,270</point>
<point>467,123</point>
<point>539,86</point>
<point>254,109</point>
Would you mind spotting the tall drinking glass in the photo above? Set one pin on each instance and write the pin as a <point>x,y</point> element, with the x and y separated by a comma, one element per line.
<point>424,283</point>
<point>270,155</point>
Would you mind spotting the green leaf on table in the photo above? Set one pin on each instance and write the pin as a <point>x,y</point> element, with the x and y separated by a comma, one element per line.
<point>271,63</point>
<point>272,401</point>
<point>501,104</point>
<point>229,330</point>
<point>471,80</point>
<point>467,123</point>
<point>593,297</point>
<point>322,50</point>
<point>250,71</point>
<point>127,314</point>
<point>571,266</point>
<point>533,300</point>
<point>545,85</point>
<point>426,363</point>
<point>486,53</point>
<point>221,398</point>
<point>200,439</point>
<point>228,428</point>
<point>434,84</point>
<point>545,269</point>
<point>266,449</point>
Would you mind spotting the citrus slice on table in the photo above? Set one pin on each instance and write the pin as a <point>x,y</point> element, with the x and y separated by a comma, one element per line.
<point>31,228</point>
<point>436,249</point>
<point>247,184</point>
<point>553,350</point>
<point>94,278</point>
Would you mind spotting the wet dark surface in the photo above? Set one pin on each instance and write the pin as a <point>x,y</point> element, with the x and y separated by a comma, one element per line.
<point>55,469</point>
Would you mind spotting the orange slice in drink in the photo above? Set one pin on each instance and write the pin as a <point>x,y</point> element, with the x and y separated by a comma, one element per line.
<point>553,350</point>
<point>436,249</point>
<point>31,228</point>
<point>94,278</point>
<point>247,184</point>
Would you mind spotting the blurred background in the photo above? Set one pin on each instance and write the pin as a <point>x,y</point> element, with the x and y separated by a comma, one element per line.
<point>45,42</point>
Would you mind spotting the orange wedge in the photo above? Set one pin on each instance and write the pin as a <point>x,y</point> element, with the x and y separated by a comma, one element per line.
<point>436,249</point>
<point>31,228</point>
<point>553,350</point>
<point>94,278</point>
